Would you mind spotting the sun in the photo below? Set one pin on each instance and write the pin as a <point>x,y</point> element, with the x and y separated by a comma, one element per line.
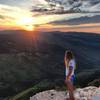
<point>26,23</point>
<point>26,20</point>
<point>29,27</point>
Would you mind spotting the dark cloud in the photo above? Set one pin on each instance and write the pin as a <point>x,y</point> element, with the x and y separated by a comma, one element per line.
<point>78,21</point>
<point>68,6</point>
<point>52,11</point>
<point>2,17</point>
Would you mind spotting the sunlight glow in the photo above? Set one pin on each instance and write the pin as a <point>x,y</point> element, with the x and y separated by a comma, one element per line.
<point>26,23</point>
<point>25,20</point>
<point>29,27</point>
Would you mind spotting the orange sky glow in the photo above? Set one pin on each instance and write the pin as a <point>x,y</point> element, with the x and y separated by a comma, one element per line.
<point>14,17</point>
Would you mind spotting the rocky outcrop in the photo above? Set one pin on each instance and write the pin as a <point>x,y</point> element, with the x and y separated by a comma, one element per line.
<point>88,93</point>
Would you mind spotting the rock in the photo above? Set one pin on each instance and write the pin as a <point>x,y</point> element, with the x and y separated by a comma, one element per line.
<point>88,93</point>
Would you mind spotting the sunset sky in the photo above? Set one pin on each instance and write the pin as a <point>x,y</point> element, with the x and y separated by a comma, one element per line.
<point>50,15</point>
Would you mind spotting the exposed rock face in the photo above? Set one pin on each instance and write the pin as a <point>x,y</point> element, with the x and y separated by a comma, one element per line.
<point>88,93</point>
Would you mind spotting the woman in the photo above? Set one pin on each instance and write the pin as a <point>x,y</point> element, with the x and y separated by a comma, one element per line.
<point>70,67</point>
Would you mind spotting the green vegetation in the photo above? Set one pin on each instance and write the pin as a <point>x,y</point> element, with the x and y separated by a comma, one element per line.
<point>24,65</point>
<point>24,95</point>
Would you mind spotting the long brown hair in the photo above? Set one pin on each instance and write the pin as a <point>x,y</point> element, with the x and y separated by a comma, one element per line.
<point>68,56</point>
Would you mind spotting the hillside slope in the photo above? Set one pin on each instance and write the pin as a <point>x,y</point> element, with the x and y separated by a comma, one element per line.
<point>29,58</point>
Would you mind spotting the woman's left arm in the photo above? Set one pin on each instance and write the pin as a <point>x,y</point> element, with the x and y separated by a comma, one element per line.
<point>65,60</point>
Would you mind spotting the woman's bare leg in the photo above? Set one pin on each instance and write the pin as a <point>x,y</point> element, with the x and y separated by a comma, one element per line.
<point>70,89</point>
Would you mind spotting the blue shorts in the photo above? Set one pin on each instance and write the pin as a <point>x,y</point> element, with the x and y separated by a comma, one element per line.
<point>72,78</point>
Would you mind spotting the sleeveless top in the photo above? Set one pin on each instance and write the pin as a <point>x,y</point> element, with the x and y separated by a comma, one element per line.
<point>72,65</point>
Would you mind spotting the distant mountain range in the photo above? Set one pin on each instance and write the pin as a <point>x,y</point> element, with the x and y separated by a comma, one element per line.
<point>27,58</point>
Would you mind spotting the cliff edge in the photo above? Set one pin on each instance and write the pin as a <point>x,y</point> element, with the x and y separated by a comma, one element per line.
<point>87,93</point>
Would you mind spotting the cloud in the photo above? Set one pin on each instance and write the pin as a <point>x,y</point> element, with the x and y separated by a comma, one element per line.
<point>17,3</point>
<point>6,14</point>
<point>84,20</point>
<point>78,21</point>
<point>11,15</point>
<point>12,11</point>
<point>2,17</point>
<point>57,12</point>
<point>66,6</point>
